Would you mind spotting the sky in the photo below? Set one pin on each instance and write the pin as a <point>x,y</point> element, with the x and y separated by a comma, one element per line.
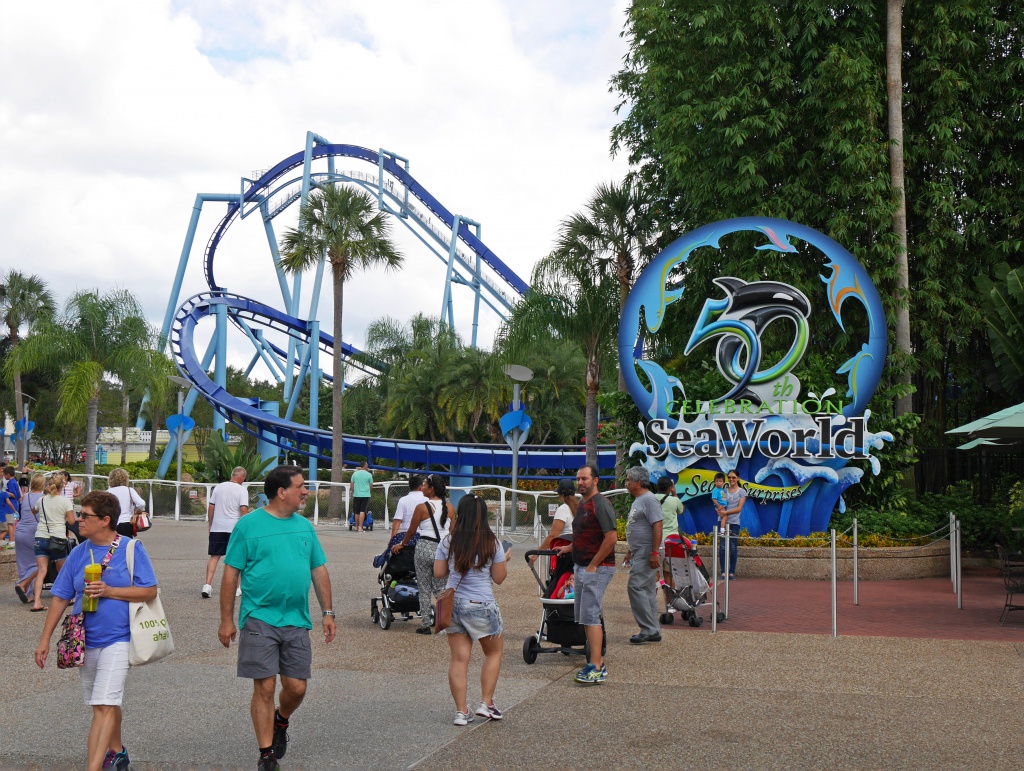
<point>114,115</point>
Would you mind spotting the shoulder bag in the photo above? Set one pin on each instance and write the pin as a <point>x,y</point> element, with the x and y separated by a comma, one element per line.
<point>445,602</point>
<point>150,635</point>
<point>141,521</point>
<point>71,645</point>
<point>56,544</point>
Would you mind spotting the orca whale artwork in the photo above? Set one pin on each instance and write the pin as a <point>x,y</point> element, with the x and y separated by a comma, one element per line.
<point>791,447</point>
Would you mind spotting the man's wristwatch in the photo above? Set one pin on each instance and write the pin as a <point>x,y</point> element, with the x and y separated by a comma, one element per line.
<point>328,613</point>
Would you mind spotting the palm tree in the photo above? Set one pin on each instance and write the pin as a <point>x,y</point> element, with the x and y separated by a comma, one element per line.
<point>24,301</point>
<point>614,230</point>
<point>1002,306</point>
<point>339,224</point>
<point>574,298</point>
<point>472,392</point>
<point>97,334</point>
<point>153,380</point>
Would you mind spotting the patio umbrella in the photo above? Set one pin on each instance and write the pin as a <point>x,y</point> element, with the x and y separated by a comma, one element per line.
<point>1008,427</point>
<point>975,426</point>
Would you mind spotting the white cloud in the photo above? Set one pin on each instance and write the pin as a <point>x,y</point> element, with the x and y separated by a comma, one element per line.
<point>113,116</point>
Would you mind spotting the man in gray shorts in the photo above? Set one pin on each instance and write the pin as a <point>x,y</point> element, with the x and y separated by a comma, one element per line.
<point>593,551</point>
<point>277,554</point>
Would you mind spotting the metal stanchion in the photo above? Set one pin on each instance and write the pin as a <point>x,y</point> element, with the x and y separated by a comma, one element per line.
<point>834,631</point>
<point>316,503</point>
<point>714,580</point>
<point>952,551</point>
<point>960,569</point>
<point>856,574</point>
<point>727,571</point>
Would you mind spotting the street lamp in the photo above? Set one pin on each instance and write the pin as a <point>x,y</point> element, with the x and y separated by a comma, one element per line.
<point>25,433</point>
<point>518,374</point>
<point>185,385</point>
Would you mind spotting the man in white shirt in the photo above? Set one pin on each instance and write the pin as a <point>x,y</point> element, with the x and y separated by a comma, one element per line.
<point>229,502</point>
<point>407,505</point>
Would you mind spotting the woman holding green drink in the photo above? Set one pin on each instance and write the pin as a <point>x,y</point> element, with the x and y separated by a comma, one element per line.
<point>105,603</point>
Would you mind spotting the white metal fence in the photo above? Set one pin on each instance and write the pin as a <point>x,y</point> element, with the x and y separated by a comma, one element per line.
<point>190,500</point>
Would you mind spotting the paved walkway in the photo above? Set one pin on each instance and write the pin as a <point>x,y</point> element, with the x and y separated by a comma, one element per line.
<point>736,699</point>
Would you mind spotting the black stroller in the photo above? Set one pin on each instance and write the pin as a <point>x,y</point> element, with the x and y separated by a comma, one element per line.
<point>399,593</point>
<point>558,624</point>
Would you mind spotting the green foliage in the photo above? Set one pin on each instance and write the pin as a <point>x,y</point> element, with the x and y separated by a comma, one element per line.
<point>759,108</point>
<point>1003,305</point>
<point>221,460</point>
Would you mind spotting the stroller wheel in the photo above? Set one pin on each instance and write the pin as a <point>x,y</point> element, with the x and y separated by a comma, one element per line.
<point>696,621</point>
<point>350,525</point>
<point>720,617</point>
<point>370,528</point>
<point>530,648</point>
<point>687,615</point>
<point>667,618</point>
<point>386,617</point>
<point>374,613</point>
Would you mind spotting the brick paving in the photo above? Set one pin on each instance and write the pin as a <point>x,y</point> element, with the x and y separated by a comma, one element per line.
<point>917,608</point>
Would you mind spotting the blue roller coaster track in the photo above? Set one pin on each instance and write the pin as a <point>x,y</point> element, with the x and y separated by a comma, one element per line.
<point>456,241</point>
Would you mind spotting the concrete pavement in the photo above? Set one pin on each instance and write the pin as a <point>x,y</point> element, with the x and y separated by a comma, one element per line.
<point>380,698</point>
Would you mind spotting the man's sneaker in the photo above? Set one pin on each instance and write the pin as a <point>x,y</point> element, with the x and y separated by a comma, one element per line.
<point>267,763</point>
<point>207,591</point>
<point>603,673</point>
<point>280,742</point>
<point>120,761</point>
<point>590,675</point>
<point>489,711</point>
<point>463,718</point>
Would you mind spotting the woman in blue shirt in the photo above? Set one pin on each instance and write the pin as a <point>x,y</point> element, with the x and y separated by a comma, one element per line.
<point>472,559</point>
<point>107,632</point>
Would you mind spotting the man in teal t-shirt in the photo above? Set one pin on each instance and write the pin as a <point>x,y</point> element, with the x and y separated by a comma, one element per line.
<point>362,478</point>
<point>277,554</point>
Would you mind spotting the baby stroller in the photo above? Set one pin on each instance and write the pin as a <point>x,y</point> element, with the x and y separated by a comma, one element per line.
<point>558,623</point>
<point>399,593</point>
<point>691,580</point>
<point>367,523</point>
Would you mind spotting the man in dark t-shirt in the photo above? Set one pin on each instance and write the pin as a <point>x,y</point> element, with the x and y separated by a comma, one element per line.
<point>593,552</point>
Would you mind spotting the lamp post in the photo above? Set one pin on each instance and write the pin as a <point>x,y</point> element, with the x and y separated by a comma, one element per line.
<point>518,374</point>
<point>183,385</point>
<point>26,438</point>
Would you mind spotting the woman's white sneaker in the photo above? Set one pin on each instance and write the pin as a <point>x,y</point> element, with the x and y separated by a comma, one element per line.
<point>489,711</point>
<point>462,718</point>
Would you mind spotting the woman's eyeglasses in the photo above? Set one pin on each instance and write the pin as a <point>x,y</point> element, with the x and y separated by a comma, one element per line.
<point>80,515</point>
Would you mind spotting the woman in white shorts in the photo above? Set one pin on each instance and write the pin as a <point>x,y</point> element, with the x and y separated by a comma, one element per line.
<point>472,559</point>
<point>107,633</point>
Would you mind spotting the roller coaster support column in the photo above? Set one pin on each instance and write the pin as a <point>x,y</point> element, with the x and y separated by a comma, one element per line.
<point>266,447</point>
<point>314,388</point>
<point>221,366</point>
<point>446,302</point>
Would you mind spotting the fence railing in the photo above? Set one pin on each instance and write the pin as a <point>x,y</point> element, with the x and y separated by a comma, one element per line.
<point>190,501</point>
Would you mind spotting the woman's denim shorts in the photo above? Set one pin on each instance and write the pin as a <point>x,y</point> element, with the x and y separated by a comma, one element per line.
<point>42,547</point>
<point>477,619</point>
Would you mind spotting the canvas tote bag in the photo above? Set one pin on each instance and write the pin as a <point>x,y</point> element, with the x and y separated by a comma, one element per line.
<point>150,634</point>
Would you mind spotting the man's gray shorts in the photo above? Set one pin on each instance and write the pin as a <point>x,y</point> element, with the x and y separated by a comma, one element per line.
<point>267,651</point>
<point>589,593</point>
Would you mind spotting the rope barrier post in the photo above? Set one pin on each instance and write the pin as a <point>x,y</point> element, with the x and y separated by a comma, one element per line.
<point>726,571</point>
<point>714,580</point>
<point>834,631</point>
<point>856,573</point>
<point>952,557</point>
<point>960,569</point>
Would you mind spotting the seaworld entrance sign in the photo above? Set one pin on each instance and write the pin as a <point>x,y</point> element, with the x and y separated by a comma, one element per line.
<point>791,451</point>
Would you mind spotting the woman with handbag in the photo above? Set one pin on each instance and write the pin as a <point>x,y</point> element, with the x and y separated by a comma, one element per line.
<point>25,537</point>
<point>472,559</point>
<point>54,512</point>
<point>431,520</point>
<point>106,629</point>
<point>130,501</point>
